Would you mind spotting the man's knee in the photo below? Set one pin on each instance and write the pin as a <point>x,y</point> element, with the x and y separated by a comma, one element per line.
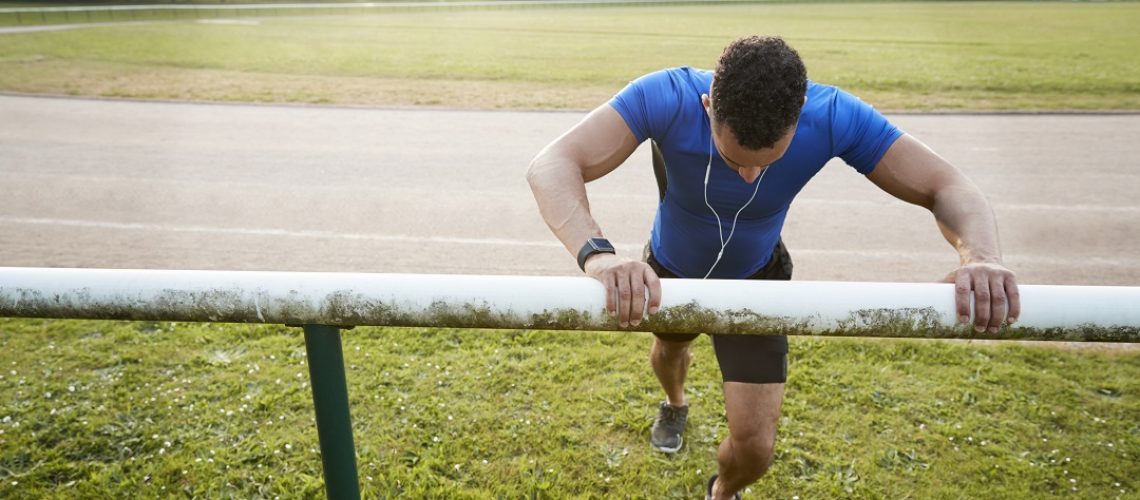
<point>755,453</point>
<point>670,347</point>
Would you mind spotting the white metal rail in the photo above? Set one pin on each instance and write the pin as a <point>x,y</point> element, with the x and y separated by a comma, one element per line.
<point>1071,313</point>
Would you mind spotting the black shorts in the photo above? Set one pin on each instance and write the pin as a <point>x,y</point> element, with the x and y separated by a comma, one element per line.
<point>753,359</point>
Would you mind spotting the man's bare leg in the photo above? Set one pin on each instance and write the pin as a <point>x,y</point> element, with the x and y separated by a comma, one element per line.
<point>670,362</point>
<point>753,411</point>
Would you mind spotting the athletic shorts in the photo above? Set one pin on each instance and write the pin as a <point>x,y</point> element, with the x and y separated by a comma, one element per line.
<point>753,359</point>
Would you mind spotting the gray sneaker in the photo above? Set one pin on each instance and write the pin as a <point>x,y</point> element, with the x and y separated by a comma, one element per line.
<point>668,428</point>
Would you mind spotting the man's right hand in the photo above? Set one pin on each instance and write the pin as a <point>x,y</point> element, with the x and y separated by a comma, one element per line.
<point>626,283</point>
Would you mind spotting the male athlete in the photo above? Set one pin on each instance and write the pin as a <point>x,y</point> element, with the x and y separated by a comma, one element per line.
<point>733,147</point>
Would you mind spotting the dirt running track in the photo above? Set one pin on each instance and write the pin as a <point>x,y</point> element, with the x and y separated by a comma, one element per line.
<point>91,183</point>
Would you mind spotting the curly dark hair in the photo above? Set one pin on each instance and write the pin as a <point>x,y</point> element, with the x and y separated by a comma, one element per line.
<point>759,89</point>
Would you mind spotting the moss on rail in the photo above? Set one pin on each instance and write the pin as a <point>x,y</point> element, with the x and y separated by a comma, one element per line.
<point>350,308</point>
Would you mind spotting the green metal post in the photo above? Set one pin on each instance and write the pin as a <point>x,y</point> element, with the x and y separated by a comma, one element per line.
<point>334,425</point>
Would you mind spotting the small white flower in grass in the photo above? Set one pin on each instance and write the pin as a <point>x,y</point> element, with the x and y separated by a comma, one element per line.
<point>161,451</point>
<point>47,395</point>
<point>15,483</point>
<point>71,388</point>
<point>485,463</point>
<point>1074,481</point>
<point>288,446</point>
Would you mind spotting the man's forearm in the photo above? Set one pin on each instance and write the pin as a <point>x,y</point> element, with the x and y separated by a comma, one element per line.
<point>967,222</point>
<point>560,192</point>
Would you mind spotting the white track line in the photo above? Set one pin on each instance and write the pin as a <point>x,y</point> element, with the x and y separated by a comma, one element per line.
<point>1028,207</point>
<point>630,248</point>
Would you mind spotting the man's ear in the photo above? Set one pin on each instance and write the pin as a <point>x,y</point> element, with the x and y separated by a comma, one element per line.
<point>707,102</point>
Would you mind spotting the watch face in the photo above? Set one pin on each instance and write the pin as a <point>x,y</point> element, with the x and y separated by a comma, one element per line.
<point>601,244</point>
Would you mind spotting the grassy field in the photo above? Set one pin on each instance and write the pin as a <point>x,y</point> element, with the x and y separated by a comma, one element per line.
<point>143,410</point>
<point>924,56</point>
<point>153,410</point>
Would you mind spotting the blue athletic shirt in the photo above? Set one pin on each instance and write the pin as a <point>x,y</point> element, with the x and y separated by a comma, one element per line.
<point>665,106</point>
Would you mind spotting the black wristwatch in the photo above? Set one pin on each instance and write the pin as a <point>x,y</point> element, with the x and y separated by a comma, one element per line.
<point>593,246</point>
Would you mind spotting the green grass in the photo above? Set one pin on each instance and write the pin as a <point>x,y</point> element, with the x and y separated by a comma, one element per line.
<point>920,56</point>
<point>144,410</point>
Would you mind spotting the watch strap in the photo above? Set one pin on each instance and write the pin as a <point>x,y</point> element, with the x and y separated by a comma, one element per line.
<point>593,246</point>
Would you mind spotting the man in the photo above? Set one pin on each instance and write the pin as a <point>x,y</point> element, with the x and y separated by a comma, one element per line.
<point>736,146</point>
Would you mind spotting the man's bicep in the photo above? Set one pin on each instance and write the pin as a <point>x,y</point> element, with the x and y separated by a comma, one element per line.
<point>912,172</point>
<point>598,144</point>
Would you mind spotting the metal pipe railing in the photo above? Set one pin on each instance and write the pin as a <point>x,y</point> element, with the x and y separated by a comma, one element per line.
<point>921,310</point>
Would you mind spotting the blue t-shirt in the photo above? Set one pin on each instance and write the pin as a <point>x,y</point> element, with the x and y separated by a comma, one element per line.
<point>665,106</point>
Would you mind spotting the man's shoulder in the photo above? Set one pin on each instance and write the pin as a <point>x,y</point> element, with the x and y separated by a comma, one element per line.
<point>681,80</point>
<point>820,97</point>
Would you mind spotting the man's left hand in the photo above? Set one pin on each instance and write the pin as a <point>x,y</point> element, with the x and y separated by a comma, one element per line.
<point>994,289</point>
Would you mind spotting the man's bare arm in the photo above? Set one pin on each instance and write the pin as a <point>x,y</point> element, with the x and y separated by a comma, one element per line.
<point>913,173</point>
<point>558,176</point>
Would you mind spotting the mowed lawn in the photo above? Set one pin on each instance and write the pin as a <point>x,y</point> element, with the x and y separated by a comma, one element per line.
<point>898,56</point>
<point>142,410</point>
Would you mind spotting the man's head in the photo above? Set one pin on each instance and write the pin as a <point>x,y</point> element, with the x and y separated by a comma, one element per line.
<point>758,90</point>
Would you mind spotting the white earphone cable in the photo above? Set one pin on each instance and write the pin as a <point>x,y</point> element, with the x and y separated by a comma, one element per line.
<point>719,226</point>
